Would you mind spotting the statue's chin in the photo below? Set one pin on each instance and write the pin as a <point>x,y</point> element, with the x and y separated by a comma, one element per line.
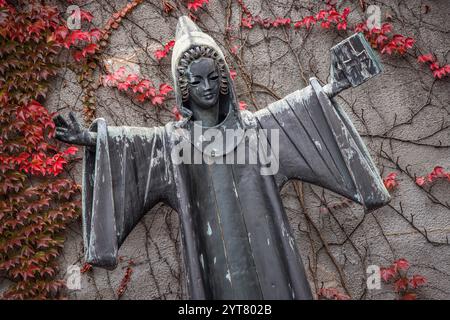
<point>208,104</point>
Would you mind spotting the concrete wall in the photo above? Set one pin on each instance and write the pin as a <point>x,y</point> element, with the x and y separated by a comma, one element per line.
<point>399,114</point>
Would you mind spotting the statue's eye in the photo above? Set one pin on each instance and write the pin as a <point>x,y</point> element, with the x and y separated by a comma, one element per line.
<point>214,77</point>
<point>195,83</point>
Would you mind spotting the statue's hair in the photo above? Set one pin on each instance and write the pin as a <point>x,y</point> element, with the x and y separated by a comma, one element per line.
<point>196,53</point>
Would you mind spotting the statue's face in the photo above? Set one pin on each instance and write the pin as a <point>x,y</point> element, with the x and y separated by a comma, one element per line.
<point>204,86</point>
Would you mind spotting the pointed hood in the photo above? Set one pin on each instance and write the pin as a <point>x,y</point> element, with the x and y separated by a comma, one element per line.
<point>189,35</point>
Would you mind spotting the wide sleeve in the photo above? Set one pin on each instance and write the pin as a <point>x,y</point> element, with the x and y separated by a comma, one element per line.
<point>319,144</point>
<point>124,176</point>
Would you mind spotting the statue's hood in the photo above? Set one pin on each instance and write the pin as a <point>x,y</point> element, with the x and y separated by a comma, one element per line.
<point>188,35</point>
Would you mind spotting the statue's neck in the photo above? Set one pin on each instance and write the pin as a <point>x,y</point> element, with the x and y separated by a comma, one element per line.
<point>208,117</point>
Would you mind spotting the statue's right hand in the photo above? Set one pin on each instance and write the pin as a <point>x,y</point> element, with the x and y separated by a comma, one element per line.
<point>72,132</point>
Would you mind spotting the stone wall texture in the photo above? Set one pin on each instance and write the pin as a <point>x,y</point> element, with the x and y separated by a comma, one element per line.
<point>403,116</point>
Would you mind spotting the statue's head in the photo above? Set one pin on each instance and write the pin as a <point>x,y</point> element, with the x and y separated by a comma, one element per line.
<point>202,77</point>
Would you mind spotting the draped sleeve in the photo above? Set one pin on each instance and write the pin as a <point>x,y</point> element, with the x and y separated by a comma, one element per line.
<point>319,144</point>
<point>124,176</point>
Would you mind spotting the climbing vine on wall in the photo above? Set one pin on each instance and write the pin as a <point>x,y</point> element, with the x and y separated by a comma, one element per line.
<point>36,202</point>
<point>93,42</point>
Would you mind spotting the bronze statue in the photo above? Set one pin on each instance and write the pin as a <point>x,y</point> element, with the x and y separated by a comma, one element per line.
<point>237,242</point>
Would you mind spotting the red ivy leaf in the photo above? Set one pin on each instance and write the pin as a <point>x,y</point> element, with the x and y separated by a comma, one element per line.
<point>345,13</point>
<point>132,79</point>
<point>409,296</point>
<point>417,281</point>
<point>159,54</point>
<point>233,74</point>
<point>95,34</point>
<point>194,5</point>
<point>387,273</point>
<point>401,264</point>
<point>307,22</point>
<point>321,15</point>
<point>325,24</point>
<point>176,113</point>
<point>390,181</point>
<point>90,49</point>
<point>71,150</point>
<point>420,181</point>
<point>247,22</point>
<point>409,43</point>
<point>86,268</point>
<point>86,15</point>
<point>426,58</point>
<point>164,89</point>
<point>123,86</point>
<point>157,100</point>
<point>169,45</point>
<point>401,284</point>
<point>333,16</point>
<point>242,105</point>
<point>141,97</point>
<point>75,36</point>
<point>386,28</point>
<point>342,25</point>
<point>142,86</point>
<point>281,22</point>
<point>440,73</point>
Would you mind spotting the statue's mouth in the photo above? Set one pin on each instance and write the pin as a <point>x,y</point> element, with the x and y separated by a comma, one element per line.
<point>209,96</point>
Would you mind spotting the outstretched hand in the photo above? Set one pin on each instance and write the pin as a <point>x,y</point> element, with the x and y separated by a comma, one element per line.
<point>72,132</point>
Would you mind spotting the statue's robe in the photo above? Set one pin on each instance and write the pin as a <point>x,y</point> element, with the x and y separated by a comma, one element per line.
<point>237,243</point>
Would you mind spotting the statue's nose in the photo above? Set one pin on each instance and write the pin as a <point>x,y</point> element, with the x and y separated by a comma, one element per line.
<point>207,84</point>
